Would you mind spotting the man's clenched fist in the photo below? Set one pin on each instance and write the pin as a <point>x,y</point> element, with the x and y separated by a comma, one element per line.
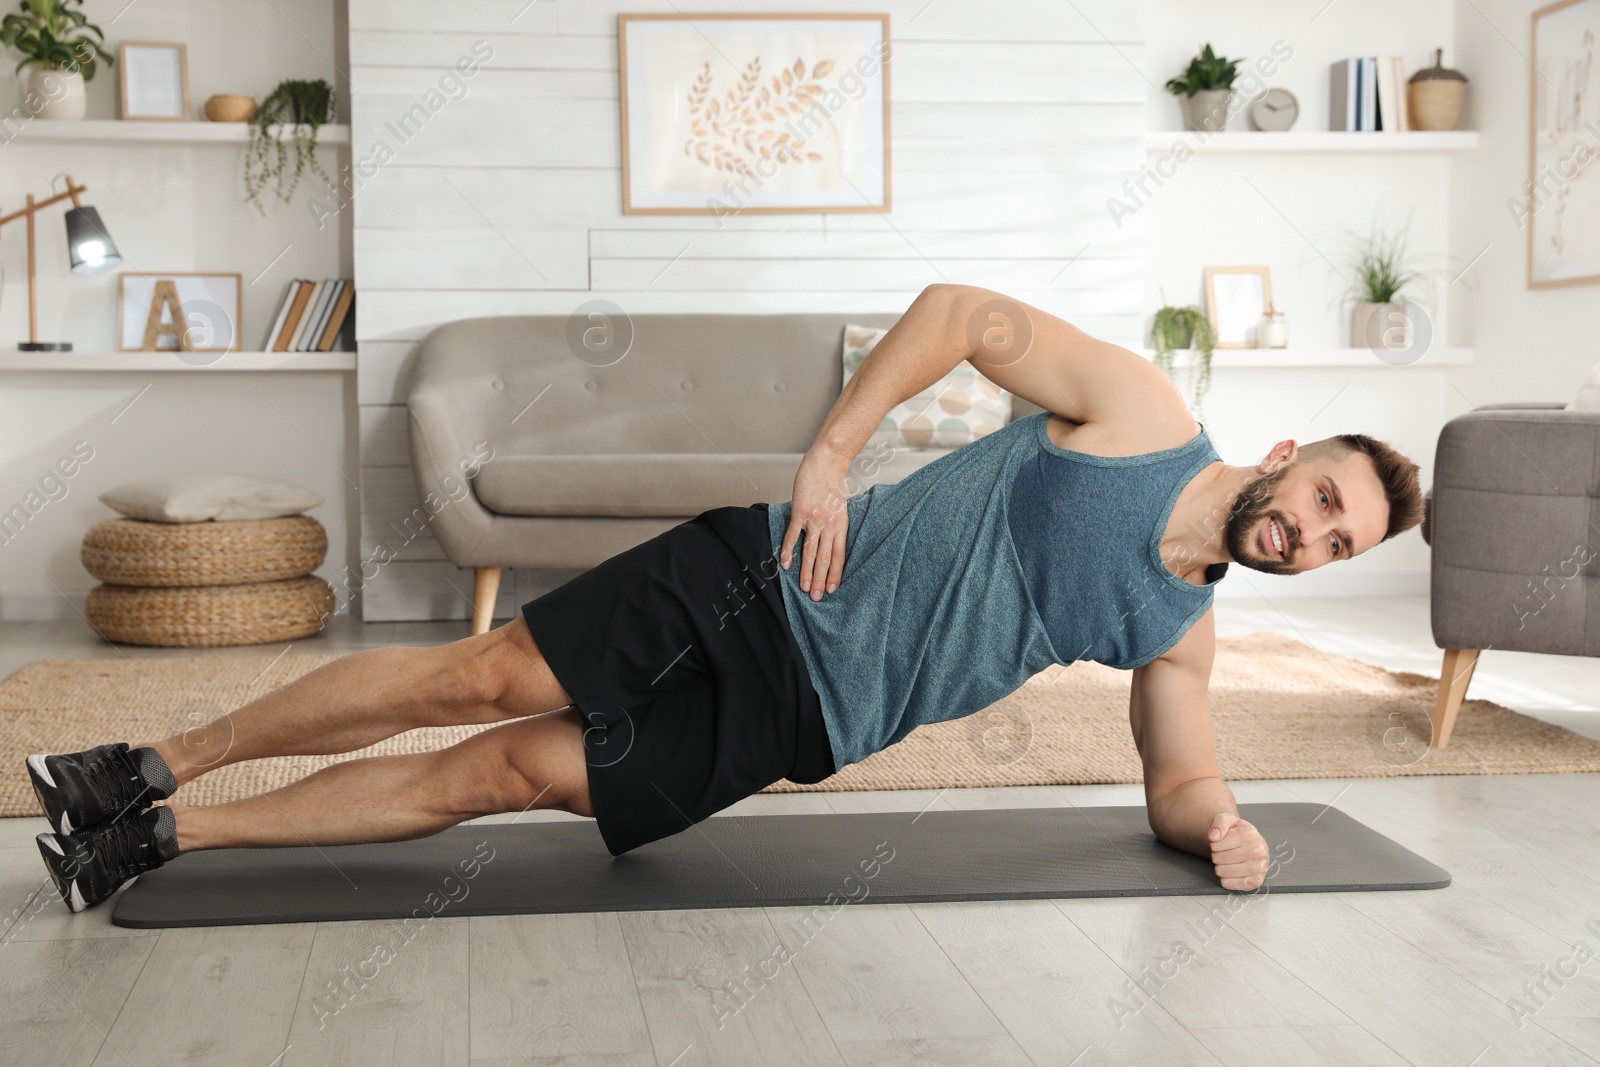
<point>1238,852</point>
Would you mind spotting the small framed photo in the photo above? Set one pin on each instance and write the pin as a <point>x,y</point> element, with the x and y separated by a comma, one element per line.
<point>155,81</point>
<point>1236,299</point>
<point>158,312</point>
<point>758,114</point>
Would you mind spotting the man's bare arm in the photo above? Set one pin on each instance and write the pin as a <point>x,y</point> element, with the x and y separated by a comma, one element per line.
<point>1189,805</point>
<point>1062,369</point>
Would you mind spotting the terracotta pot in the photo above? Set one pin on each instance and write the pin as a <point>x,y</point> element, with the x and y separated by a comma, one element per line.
<point>231,107</point>
<point>54,93</point>
<point>1207,110</point>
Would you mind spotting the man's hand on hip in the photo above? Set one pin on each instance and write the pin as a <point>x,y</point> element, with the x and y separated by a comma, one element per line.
<point>1238,852</point>
<point>818,510</point>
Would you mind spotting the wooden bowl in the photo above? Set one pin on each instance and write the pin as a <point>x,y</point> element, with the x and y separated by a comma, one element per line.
<point>231,107</point>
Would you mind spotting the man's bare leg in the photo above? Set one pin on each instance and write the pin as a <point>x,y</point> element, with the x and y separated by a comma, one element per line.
<point>532,763</point>
<point>361,699</point>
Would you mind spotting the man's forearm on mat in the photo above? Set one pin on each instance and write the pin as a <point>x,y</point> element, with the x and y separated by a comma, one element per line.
<point>1182,815</point>
<point>921,348</point>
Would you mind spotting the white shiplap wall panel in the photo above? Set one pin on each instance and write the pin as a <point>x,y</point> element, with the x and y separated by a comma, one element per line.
<point>385,376</point>
<point>478,258</point>
<point>855,244</point>
<point>1109,292</point>
<point>958,20</point>
<point>1013,122</point>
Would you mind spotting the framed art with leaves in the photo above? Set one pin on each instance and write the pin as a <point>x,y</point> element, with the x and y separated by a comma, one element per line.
<point>1561,209</point>
<point>753,113</point>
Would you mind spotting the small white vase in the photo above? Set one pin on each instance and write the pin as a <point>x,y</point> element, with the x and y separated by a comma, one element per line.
<point>54,93</point>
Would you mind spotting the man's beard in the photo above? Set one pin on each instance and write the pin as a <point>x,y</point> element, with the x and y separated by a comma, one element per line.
<point>1252,505</point>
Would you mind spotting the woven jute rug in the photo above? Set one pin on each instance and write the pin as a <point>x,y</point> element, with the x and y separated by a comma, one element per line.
<point>1281,710</point>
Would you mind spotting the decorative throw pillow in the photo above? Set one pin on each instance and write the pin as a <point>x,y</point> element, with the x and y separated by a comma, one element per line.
<point>1588,398</point>
<point>956,410</point>
<point>199,497</point>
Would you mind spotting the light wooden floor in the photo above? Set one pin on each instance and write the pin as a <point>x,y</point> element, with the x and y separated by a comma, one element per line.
<point>1379,978</point>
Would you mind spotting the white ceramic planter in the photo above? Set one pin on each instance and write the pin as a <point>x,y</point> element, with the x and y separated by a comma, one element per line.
<point>1207,110</point>
<point>56,94</point>
<point>1378,326</point>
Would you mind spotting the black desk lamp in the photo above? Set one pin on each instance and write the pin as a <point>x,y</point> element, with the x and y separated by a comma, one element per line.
<point>88,244</point>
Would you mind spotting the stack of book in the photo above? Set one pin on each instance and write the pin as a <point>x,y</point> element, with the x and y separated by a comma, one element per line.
<point>312,315</point>
<point>1368,93</point>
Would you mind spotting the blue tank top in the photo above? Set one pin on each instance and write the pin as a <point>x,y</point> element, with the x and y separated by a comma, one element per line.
<point>979,570</point>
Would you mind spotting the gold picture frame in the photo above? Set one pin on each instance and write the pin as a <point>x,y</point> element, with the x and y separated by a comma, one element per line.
<point>1567,30</point>
<point>1235,305</point>
<point>222,290</point>
<point>153,94</point>
<point>724,172</point>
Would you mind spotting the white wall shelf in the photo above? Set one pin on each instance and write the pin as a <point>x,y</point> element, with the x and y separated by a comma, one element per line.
<point>1316,358</point>
<point>146,362</point>
<point>117,131</point>
<point>1313,141</point>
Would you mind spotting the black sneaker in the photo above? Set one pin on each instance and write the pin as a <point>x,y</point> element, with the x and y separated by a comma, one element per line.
<point>88,866</point>
<point>82,790</point>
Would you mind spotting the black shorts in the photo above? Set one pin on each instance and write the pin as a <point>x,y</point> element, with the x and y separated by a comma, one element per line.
<point>679,656</point>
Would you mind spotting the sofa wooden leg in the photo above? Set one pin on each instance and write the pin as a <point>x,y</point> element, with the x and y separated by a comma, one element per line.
<point>485,588</point>
<point>1453,679</point>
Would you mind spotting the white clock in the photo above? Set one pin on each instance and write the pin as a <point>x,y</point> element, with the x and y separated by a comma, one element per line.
<point>1274,110</point>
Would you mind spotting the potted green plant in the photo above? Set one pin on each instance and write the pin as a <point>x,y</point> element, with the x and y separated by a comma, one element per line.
<point>1382,276</point>
<point>62,47</point>
<point>1205,88</point>
<point>291,113</point>
<point>1185,327</point>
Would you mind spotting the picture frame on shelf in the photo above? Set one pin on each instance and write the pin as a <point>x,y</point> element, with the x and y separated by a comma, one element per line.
<point>1236,300</point>
<point>1563,248</point>
<point>207,317</point>
<point>154,80</point>
<point>799,124</point>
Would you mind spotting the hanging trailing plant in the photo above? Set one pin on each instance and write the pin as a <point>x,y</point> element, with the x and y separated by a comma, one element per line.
<point>1185,327</point>
<point>299,106</point>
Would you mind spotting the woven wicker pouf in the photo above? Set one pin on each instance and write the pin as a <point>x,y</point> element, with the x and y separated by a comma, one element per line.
<point>252,613</point>
<point>133,552</point>
<point>203,584</point>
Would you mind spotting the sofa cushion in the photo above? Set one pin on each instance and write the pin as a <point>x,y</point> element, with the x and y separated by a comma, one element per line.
<point>955,410</point>
<point>664,484</point>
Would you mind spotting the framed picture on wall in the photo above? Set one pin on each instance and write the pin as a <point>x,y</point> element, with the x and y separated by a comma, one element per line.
<point>154,80</point>
<point>1563,204</point>
<point>173,312</point>
<point>1236,299</point>
<point>753,114</point>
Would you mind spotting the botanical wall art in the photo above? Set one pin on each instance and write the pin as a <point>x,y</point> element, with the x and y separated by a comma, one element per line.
<point>757,114</point>
<point>1563,201</point>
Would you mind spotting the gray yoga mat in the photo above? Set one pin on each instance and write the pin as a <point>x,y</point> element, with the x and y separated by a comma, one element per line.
<point>741,861</point>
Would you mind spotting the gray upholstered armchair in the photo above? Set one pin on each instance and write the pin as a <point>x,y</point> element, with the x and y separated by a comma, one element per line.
<point>1514,521</point>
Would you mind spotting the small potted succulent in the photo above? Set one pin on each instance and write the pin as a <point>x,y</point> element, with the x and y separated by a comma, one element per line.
<point>1185,327</point>
<point>62,47</point>
<point>1205,90</point>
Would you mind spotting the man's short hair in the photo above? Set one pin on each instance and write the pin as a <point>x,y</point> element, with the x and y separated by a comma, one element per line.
<point>1401,479</point>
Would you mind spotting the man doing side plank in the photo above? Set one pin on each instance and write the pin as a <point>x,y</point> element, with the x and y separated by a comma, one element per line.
<point>789,640</point>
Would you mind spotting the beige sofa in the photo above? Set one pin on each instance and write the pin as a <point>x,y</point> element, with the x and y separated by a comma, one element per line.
<point>584,454</point>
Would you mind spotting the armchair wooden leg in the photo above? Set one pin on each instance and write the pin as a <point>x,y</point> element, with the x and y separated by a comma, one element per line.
<point>485,588</point>
<point>1453,679</point>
